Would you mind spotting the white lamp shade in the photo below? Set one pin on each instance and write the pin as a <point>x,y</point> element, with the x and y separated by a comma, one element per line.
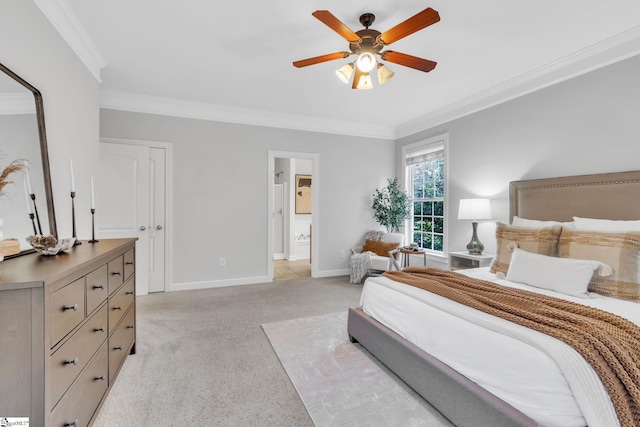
<point>344,73</point>
<point>474,209</point>
<point>365,82</point>
<point>384,74</point>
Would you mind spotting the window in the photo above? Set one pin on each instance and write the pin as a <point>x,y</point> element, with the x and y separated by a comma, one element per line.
<point>426,182</point>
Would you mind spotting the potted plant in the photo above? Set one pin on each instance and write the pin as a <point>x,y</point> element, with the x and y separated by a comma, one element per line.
<point>390,206</point>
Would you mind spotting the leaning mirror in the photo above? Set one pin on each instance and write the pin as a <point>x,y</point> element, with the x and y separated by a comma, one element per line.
<point>23,137</point>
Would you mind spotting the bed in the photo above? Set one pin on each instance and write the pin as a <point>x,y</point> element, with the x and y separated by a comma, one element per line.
<point>383,324</point>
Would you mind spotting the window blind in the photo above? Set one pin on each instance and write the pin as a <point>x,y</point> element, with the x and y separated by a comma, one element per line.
<point>425,154</point>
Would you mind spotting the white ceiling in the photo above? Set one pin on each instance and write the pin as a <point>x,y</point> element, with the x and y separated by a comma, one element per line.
<point>233,58</point>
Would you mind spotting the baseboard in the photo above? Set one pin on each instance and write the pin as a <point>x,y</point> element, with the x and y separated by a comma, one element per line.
<point>332,273</point>
<point>206,284</point>
<point>218,283</point>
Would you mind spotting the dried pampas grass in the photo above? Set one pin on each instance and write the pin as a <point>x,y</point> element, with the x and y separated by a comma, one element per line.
<point>15,166</point>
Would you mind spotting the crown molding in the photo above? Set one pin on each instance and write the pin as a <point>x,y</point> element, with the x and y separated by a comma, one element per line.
<point>615,49</point>
<point>17,103</point>
<point>204,111</point>
<point>59,13</point>
<point>612,50</point>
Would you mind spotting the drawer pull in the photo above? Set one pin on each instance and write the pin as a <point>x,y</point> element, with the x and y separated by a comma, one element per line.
<point>98,286</point>
<point>73,307</point>
<point>130,327</point>
<point>100,378</point>
<point>129,293</point>
<point>101,329</point>
<point>71,362</point>
<point>118,348</point>
<point>116,273</point>
<point>117,308</point>
<point>72,424</point>
<point>129,263</point>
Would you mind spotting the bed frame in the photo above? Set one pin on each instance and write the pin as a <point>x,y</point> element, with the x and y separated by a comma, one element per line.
<point>462,401</point>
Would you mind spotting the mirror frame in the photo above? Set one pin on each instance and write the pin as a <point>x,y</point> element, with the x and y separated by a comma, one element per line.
<point>44,153</point>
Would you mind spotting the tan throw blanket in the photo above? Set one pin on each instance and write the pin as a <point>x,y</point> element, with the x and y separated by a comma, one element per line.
<point>609,343</point>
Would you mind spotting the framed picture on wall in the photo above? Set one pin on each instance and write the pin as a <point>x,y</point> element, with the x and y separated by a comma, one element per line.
<point>303,194</point>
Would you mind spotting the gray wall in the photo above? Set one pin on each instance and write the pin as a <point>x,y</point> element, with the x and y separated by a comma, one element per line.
<point>590,124</point>
<point>220,190</point>
<point>33,49</point>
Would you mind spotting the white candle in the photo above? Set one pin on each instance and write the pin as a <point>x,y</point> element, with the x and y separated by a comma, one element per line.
<point>73,182</point>
<point>93,196</point>
<point>26,195</point>
<point>28,187</point>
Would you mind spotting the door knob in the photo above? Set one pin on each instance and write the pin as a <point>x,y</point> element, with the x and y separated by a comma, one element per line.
<point>142,228</point>
<point>158,227</point>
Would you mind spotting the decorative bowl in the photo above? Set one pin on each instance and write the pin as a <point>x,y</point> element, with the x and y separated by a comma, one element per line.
<point>49,245</point>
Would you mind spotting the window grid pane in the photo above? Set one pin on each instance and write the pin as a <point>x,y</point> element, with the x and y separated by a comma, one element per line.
<point>427,181</point>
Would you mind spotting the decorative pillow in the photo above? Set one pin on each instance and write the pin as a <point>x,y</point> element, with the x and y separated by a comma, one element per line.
<point>536,223</point>
<point>564,275</point>
<point>536,240</point>
<point>621,251</point>
<point>379,248</point>
<point>606,225</point>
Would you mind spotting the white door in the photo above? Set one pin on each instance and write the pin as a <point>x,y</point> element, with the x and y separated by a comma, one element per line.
<point>123,201</point>
<point>157,219</point>
<point>278,221</point>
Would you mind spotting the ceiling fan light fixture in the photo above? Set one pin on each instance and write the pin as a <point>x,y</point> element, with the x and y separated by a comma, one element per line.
<point>366,61</point>
<point>384,74</point>
<point>368,43</point>
<point>365,82</point>
<point>345,72</point>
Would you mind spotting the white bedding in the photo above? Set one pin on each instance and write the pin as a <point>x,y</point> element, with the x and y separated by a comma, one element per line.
<point>489,350</point>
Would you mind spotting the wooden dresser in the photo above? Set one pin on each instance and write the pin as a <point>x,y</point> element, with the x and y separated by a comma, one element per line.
<point>67,323</point>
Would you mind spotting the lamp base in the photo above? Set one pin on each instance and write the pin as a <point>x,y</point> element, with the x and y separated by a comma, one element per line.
<point>475,247</point>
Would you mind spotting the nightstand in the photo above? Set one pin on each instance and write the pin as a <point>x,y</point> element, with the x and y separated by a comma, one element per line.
<point>463,259</point>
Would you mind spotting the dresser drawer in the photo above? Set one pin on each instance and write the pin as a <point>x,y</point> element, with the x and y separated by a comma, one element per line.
<point>116,273</point>
<point>129,263</point>
<point>67,309</point>
<point>97,292</point>
<point>120,302</point>
<point>84,396</point>
<point>69,360</point>
<point>120,342</point>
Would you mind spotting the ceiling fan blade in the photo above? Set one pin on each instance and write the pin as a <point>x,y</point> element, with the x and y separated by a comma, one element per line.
<point>321,58</point>
<point>408,60</point>
<point>356,77</point>
<point>336,25</point>
<point>416,23</point>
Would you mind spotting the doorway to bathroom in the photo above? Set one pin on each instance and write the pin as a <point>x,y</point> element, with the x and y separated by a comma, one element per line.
<point>292,214</point>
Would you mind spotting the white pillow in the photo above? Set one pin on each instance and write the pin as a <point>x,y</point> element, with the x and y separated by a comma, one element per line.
<point>605,225</point>
<point>536,223</point>
<point>565,275</point>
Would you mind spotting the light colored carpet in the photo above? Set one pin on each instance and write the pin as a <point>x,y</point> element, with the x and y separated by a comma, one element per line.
<point>203,360</point>
<point>340,383</point>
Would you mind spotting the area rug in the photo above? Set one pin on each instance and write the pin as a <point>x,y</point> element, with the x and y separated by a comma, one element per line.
<point>340,383</point>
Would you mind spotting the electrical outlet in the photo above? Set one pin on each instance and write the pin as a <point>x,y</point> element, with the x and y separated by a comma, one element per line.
<point>342,255</point>
<point>223,262</point>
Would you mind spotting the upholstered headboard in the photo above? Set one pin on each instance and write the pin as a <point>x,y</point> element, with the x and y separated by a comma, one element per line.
<point>607,196</point>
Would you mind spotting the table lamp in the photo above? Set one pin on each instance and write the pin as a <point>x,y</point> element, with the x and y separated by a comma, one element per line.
<point>474,209</point>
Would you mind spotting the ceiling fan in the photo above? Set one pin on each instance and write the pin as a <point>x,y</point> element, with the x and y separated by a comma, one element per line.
<point>368,42</point>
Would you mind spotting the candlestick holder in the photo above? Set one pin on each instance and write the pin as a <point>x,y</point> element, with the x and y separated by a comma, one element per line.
<point>93,227</point>
<point>35,209</point>
<point>73,219</point>
<point>33,222</point>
